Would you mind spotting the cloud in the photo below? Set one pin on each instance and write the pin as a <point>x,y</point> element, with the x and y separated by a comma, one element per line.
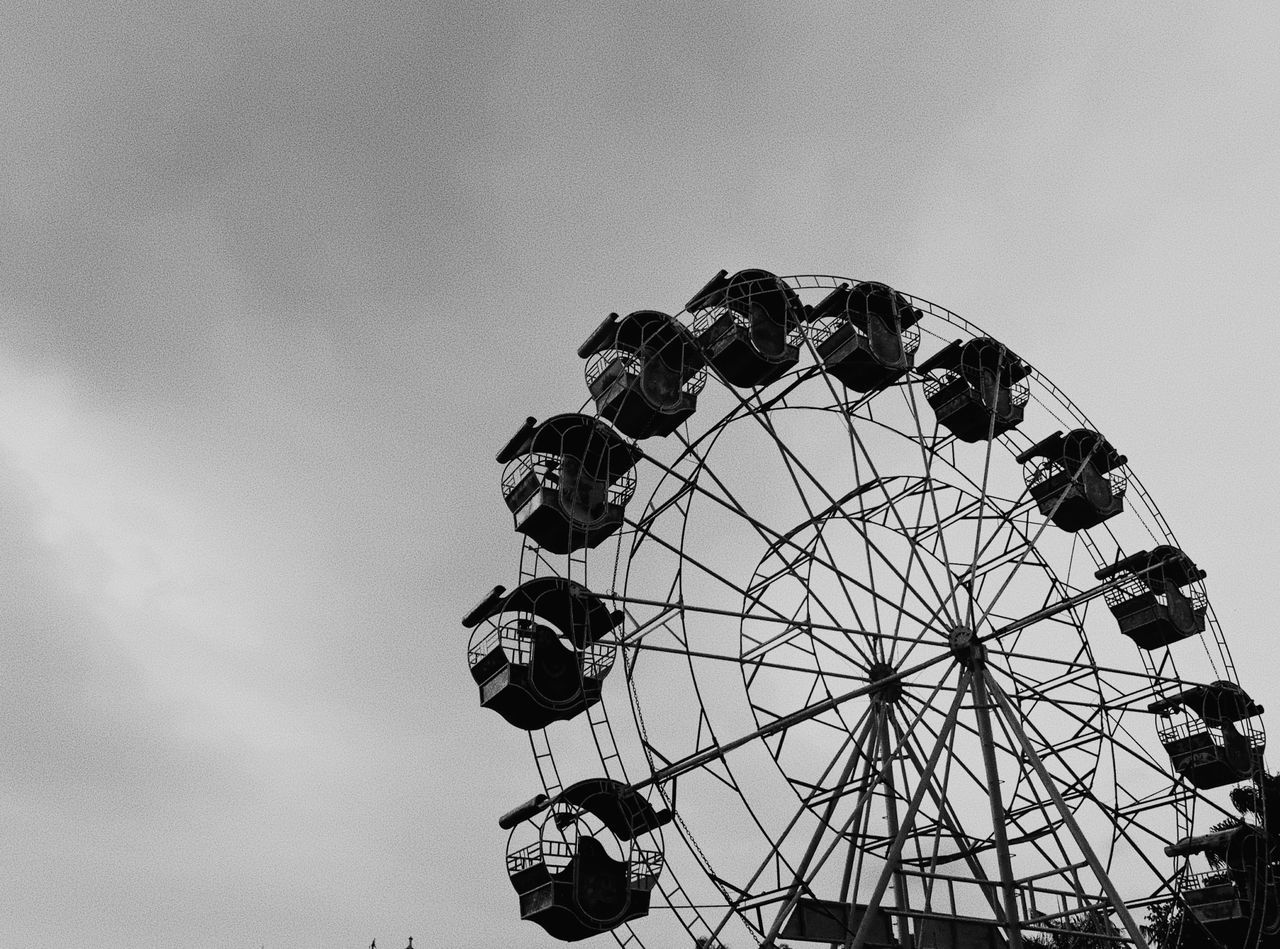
<point>206,682</point>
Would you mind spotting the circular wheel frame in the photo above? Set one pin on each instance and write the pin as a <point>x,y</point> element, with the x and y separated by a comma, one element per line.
<point>864,669</point>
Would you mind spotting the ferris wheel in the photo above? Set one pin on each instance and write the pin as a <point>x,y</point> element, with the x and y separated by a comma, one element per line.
<point>837,622</point>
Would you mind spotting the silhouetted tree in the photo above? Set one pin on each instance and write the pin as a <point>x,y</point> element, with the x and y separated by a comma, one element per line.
<point>1170,929</point>
<point>1075,932</point>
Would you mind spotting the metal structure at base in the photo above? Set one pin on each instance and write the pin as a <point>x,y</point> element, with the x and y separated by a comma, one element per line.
<point>908,657</point>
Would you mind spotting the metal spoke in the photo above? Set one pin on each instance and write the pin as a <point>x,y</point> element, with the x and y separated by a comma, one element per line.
<point>778,618</point>
<point>902,602</point>
<point>948,818</point>
<point>791,462</point>
<point>736,660</point>
<point>1110,813</point>
<point>778,538</point>
<point>763,419</point>
<point>858,833</point>
<point>1109,670</point>
<point>982,496</point>
<point>891,813</point>
<point>982,711</point>
<point>1113,896</point>
<point>860,812</point>
<point>867,725</point>
<point>824,823</point>
<point>716,575</point>
<point>928,457</point>
<point>1134,751</point>
<point>818,535</point>
<point>964,765</point>
<point>858,940</point>
<point>1045,522</point>
<point>869,545</point>
<point>769,535</point>
<point>856,444</point>
<point>794,718</point>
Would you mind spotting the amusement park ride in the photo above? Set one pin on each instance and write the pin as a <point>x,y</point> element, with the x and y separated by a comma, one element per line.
<point>908,656</point>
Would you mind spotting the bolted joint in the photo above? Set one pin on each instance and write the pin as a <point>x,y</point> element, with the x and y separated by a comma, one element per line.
<point>890,691</point>
<point>966,646</point>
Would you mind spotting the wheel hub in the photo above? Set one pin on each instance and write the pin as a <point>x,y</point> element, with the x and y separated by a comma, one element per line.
<point>889,691</point>
<point>964,642</point>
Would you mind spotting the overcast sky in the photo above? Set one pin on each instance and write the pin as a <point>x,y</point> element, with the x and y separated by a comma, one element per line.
<point>276,280</point>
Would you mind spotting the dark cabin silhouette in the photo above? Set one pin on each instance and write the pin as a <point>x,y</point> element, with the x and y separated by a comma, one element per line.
<point>748,326</point>
<point>1157,600</point>
<point>1072,478</point>
<point>519,657</point>
<point>980,393</point>
<point>567,481</point>
<point>575,890</point>
<point>865,335</point>
<point>644,371</point>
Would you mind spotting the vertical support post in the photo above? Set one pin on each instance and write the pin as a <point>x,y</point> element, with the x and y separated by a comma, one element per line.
<point>1002,701</point>
<point>859,939</point>
<point>982,707</point>
<point>953,825</point>
<point>855,837</point>
<point>891,810</point>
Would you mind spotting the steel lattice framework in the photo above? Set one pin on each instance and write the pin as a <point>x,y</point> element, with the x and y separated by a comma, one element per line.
<point>883,675</point>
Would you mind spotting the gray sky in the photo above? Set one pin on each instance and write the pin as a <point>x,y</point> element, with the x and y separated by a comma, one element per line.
<point>277,279</point>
